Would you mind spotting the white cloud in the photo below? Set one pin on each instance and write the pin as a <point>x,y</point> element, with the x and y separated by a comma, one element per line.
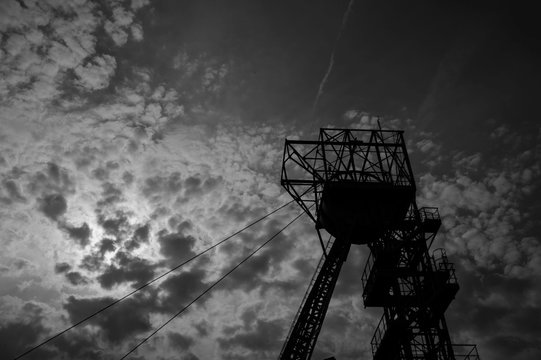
<point>122,23</point>
<point>15,44</point>
<point>203,70</point>
<point>14,16</point>
<point>63,56</point>
<point>122,16</point>
<point>43,41</point>
<point>427,145</point>
<point>116,32</point>
<point>499,132</point>
<point>481,211</point>
<point>96,74</point>
<point>138,4</point>
<point>137,32</point>
<point>153,115</point>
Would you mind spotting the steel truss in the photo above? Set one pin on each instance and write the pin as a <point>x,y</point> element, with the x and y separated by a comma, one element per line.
<point>305,329</point>
<point>343,155</point>
<point>359,187</point>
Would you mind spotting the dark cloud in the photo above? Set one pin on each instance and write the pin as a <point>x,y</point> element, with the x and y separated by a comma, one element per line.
<point>498,307</point>
<point>249,275</point>
<point>203,328</point>
<point>258,270</point>
<point>182,288</point>
<point>176,246</point>
<point>140,236</point>
<point>250,315</point>
<point>159,188</point>
<point>19,336</point>
<point>54,171</point>
<point>154,188</point>
<point>62,268</point>
<point>512,347</point>
<point>100,174</point>
<point>179,341</point>
<point>13,192</point>
<point>127,319</point>
<point>126,268</point>
<point>53,180</point>
<point>116,225</point>
<point>238,212</point>
<point>20,264</point>
<point>190,356</point>
<point>85,156</point>
<point>104,171</point>
<point>348,282</point>
<point>112,165</point>
<point>81,344</point>
<point>304,266</point>
<point>127,177</point>
<point>345,321</point>
<point>80,234</point>
<point>161,211</point>
<point>130,269</point>
<point>263,338</point>
<point>111,194</point>
<point>76,278</point>
<point>107,245</point>
<point>53,206</point>
<point>175,220</point>
<point>92,262</point>
<point>195,186</point>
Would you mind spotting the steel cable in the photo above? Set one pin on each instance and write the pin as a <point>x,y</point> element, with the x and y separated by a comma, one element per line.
<point>150,282</point>
<point>210,287</point>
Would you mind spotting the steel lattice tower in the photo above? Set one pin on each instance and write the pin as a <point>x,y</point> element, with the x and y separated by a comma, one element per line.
<point>358,186</point>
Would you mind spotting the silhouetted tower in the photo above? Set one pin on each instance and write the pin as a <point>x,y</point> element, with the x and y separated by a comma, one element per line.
<point>358,185</point>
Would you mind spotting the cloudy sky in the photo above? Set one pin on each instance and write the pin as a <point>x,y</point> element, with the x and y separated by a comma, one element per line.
<point>134,134</point>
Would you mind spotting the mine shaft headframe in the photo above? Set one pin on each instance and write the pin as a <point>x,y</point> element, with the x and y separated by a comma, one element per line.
<point>346,170</point>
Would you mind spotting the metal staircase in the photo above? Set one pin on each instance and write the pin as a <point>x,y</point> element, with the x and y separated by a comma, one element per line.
<point>307,324</point>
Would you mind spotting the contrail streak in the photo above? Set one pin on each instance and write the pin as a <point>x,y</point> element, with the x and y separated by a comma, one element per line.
<point>331,60</point>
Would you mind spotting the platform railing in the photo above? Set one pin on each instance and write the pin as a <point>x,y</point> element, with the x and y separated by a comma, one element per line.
<point>373,270</point>
<point>441,263</point>
<point>381,329</point>
<point>429,213</point>
<point>465,352</point>
<point>312,281</point>
<point>367,269</point>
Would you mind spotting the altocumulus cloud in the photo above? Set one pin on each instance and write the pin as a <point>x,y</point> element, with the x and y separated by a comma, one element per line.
<point>114,168</point>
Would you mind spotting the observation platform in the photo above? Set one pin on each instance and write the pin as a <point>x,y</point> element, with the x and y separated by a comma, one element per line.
<point>430,219</point>
<point>387,283</point>
<point>361,211</point>
<point>360,181</point>
<point>391,341</point>
<point>445,285</point>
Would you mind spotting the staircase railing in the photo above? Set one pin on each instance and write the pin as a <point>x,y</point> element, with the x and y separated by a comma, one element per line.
<point>314,277</point>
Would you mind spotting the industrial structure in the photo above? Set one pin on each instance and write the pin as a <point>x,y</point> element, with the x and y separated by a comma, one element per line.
<point>358,186</point>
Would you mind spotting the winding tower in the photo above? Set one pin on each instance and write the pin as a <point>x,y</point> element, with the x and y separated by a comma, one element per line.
<point>358,186</point>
